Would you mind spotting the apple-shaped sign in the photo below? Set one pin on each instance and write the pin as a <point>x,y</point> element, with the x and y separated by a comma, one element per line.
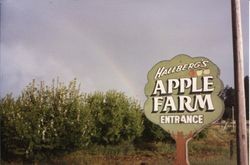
<point>183,95</point>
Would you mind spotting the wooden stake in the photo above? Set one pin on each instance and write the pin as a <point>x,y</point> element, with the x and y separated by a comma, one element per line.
<point>242,154</point>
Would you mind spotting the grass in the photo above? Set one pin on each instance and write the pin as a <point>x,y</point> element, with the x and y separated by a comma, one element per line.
<point>212,150</point>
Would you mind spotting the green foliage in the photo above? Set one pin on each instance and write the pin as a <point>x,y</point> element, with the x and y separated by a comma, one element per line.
<point>202,134</point>
<point>117,118</point>
<point>47,120</point>
<point>44,120</point>
<point>154,133</point>
<point>228,95</point>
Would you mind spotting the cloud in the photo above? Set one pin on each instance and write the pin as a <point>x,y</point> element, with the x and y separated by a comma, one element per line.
<point>110,45</point>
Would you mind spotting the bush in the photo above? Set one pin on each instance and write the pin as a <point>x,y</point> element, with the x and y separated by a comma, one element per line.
<point>116,118</point>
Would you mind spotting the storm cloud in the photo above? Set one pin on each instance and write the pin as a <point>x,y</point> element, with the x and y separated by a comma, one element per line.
<point>111,44</point>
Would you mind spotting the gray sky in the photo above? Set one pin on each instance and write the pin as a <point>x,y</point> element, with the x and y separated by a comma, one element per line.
<point>111,44</point>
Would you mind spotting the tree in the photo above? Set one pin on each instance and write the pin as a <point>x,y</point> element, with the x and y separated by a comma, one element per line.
<point>228,95</point>
<point>117,118</point>
<point>154,133</point>
<point>44,120</point>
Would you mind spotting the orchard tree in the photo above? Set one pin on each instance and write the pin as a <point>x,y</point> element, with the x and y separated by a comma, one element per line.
<point>44,120</point>
<point>228,95</point>
<point>117,118</point>
<point>154,133</point>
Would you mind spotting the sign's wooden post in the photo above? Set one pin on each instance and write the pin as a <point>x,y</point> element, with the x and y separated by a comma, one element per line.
<point>181,157</point>
<point>183,98</point>
<point>242,153</point>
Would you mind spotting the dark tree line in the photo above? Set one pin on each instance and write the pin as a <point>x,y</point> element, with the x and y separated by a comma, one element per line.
<point>228,95</point>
